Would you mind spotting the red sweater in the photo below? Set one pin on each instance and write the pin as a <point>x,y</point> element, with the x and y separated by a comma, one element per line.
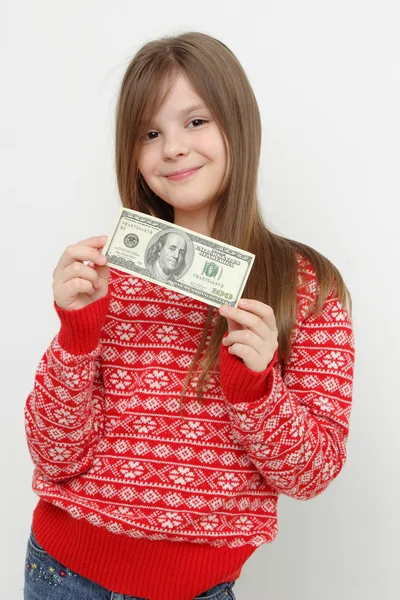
<point>150,502</point>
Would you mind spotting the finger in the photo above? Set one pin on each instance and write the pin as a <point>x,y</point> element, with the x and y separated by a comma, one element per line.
<point>262,310</point>
<point>95,241</point>
<point>77,269</point>
<point>232,326</point>
<point>250,357</point>
<point>246,319</point>
<point>82,252</point>
<point>102,271</point>
<point>247,338</point>
<point>77,286</point>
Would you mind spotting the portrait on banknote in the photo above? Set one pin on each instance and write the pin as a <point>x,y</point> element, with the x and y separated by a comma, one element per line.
<point>169,255</point>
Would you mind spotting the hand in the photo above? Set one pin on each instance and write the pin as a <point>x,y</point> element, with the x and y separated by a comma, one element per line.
<point>75,284</point>
<point>252,333</point>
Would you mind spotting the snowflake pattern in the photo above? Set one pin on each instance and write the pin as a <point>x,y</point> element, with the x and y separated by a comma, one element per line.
<point>170,520</point>
<point>228,481</point>
<point>121,379</point>
<point>157,379</point>
<point>182,475</point>
<point>334,360</point>
<point>59,453</point>
<point>64,417</point>
<point>210,522</point>
<point>72,378</point>
<point>193,430</point>
<point>125,331</point>
<point>144,425</point>
<point>167,334</point>
<point>324,404</point>
<point>132,286</point>
<point>338,314</point>
<point>132,469</point>
<point>244,523</point>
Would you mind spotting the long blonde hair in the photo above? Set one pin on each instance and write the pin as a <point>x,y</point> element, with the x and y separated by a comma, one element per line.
<point>218,78</point>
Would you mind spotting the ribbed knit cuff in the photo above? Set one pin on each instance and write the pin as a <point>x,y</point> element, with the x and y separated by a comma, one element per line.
<point>241,384</point>
<point>81,328</point>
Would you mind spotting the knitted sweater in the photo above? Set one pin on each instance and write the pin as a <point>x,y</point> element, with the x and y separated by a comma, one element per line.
<point>148,501</point>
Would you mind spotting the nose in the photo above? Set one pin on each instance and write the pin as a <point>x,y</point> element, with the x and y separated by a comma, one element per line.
<point>174,145</point>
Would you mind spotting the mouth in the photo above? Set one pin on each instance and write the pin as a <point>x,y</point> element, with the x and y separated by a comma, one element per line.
<point>183,174</point>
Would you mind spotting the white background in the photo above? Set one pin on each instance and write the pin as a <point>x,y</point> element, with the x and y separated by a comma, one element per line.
<point>327,79</point>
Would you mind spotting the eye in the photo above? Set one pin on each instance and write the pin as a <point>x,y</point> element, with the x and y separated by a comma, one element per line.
<point>198,120</point>
<point>149,133</point>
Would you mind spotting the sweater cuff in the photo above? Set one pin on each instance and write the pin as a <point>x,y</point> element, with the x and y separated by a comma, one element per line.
<point>241,384</point>
<point>81,328</point>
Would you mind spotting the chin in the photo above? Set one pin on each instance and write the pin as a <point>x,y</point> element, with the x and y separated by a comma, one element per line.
<point>188,204</point>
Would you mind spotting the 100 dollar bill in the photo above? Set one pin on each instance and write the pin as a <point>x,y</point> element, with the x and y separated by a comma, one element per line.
<point>177,258</point>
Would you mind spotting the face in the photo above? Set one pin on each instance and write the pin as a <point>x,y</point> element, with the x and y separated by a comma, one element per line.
<point>173,252</point>
<point>181,140</point>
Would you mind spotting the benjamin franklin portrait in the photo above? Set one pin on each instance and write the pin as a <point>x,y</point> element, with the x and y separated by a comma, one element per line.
<point>166,257</point>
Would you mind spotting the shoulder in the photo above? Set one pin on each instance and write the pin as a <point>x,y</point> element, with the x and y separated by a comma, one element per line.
<point>321,295</point>
<point>307,286</point>
<point>317,302</point>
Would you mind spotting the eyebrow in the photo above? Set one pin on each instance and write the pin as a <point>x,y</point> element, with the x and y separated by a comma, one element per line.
<point>186,111</point>
<point>190,109</point>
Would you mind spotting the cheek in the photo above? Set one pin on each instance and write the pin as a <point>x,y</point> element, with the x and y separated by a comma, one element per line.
<point>147,163</point>
<point>222,154</point>
<point>140,163</point>
<point>217,143</point>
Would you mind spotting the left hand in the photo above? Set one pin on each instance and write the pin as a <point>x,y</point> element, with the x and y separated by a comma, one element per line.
<point>252,333</point>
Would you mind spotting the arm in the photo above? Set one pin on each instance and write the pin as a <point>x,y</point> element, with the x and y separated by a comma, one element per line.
<point>294,422</point>
<point>64,411</point>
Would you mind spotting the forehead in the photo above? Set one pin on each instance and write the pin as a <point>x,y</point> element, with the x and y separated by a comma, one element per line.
<point>177,95</point>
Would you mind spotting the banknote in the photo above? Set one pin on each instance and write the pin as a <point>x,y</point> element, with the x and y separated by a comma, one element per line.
<point>177,258</point>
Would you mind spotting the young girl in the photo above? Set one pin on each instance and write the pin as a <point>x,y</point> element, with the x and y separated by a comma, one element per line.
<point>163,430</point>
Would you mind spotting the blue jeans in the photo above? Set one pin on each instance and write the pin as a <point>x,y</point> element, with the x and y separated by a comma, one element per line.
<point>47,579</point>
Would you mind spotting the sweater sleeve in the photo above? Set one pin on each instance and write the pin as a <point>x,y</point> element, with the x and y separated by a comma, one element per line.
<point>64,411</point>
<point>293,420</point>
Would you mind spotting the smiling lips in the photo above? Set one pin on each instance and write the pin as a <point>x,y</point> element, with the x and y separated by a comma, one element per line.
<point>177,175</point>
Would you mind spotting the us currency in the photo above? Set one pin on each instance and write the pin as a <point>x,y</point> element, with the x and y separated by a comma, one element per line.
<point>177,258</point>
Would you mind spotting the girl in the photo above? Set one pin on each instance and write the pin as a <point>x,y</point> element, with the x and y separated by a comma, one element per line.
<point>163,430</point>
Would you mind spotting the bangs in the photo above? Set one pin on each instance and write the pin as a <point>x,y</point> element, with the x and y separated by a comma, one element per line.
<point>152,93</point>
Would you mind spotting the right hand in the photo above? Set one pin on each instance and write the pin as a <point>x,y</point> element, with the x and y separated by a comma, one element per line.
<point>75,284</point>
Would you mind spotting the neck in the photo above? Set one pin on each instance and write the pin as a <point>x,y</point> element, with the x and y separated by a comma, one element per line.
<point>197,221</point>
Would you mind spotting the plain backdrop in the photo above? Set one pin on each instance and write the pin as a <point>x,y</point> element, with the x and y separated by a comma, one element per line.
<point>327,79</point>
